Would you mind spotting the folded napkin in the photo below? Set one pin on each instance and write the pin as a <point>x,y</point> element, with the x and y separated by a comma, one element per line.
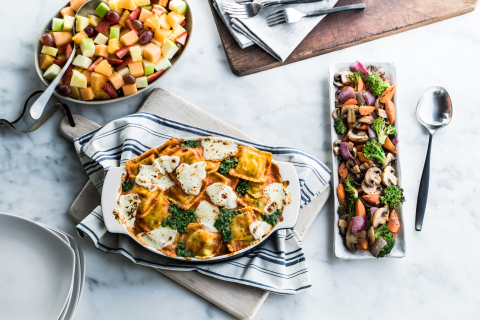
<point>280,40</point>
<point>278,265</point>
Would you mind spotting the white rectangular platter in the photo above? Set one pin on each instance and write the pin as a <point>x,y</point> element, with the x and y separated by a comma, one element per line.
<point>341,251</point>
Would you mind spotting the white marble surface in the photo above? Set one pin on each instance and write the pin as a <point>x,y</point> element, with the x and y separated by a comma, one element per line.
<point>40,174</point>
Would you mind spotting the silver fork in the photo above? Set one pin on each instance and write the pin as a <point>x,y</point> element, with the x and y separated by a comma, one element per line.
<point>251,9</point>
<point>291,15</point>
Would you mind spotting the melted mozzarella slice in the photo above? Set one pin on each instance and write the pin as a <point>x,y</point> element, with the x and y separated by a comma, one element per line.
<point>278,197</point>
<point>127,208</point>
<point>154,176</point>
<point>191,176</point>
<point>167,164</point>
<point>207,214</point>
<point>259,228</point>
<point>222,195</point>
<point>165,182</point>
<point>158,238</point>
<point>217,149</point>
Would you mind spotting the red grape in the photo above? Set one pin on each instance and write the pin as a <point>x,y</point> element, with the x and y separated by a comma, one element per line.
<point>129,79</point>
<point>48,40</point>
<point>137,25</point>
<point>90,32</point>
<point>145,37</point>
<point>112,16</point>
<point>64,90</point>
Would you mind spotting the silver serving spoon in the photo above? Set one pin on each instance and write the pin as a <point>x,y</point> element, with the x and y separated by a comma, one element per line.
<point>39,105</point>
<point>434,111</point>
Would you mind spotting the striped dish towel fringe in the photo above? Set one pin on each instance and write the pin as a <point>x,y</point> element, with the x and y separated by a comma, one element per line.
<point>278,265</point>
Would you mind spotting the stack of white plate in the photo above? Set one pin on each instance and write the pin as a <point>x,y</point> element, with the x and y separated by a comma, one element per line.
<point>42,271</point>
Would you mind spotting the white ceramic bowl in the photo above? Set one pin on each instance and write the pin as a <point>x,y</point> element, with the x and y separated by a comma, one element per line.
<point>341,251</point>
<point>111,193</point>
<point>189,26</point>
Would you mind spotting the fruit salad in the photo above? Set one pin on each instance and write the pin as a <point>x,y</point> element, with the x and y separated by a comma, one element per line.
<point>123,47</point>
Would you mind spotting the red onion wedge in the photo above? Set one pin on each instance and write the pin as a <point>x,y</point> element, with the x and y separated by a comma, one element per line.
<point>377,245</point>
<point>346,94</point>
<point>394,140</point>
<point>358,66</point>
<point>359,97</point>
<point>371,132</point>
<point>359,223</point>
<point>346,155</point>
<point>369,98</point>
<point>373,210</point>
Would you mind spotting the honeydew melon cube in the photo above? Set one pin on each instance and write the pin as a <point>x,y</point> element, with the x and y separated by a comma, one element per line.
<point>124,71</point>
<point>79,80</point>
<point>81,23</point>
<point>162,64</point>
<point>52,72</point>
<point>114,33</point>
<point>102,10</point>
<point>115,6</point>
<point>178,6</point>
<point>57,24</point>
<point>68,23</point>
<point>51,51</point>
<point>88,47</point>
<point>136,53</point>
<point>100,39</point>
<point>93,20</point>
<point>169,49</point>
<point>141,82</point>
<point>82,62</point>
<point>148,67</point>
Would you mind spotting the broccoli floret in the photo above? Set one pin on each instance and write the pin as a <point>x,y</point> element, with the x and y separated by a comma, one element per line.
<point>385,233</point>
<point>392,196</point>
<point>339,125</point>
<point>351,201</point>
<point>376,84</point>
<point>354,76</point>
<point>349,188</point>
<point>341,210</point>
<point>391,130</point>
<point>373,149</point>
<point>380,129</point>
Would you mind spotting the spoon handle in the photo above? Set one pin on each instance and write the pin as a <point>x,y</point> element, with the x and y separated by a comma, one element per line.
<point>423,190</point>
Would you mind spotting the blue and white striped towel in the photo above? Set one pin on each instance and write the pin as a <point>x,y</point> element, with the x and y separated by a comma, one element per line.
<point>277,266</point>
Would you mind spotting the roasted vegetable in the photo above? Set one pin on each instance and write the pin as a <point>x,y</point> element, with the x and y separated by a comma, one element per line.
<point>339,125</point>
<point>376,84</point>
<point>341,210</point>
<point>392,196</point>
<point>380,129</point>
<point>385,234</point>
<point>391,131</point>
<point>372,149</point>
<point>349,188</point>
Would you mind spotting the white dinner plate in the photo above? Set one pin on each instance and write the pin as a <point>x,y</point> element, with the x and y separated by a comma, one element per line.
<point>36,266</point>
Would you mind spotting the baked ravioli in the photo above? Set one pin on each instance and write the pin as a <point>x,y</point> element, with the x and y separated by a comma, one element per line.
<point>201,198</point>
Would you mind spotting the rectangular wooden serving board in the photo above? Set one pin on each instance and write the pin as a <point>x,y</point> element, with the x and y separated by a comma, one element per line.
<point>248,300</point>
<point>341,30</point>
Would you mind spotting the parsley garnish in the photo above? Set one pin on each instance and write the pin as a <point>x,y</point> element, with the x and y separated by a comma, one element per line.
<point>273,218</point>
<point>189,144</point>
<point>127,185</point>
<point>223,222</point>
<point>242,187</point>
<point>226,165</point>
<point>182,250</point>
<point>179,219</point>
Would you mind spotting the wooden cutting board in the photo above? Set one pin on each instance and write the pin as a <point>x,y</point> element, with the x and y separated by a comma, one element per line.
<point>247,300</point>
<point>341,30</point>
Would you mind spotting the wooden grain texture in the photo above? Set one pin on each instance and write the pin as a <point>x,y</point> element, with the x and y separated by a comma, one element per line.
<point>345,29</point>
<point>248,300</point>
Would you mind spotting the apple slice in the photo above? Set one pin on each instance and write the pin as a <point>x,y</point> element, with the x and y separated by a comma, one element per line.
<point>102,10</point>
<point>169,49</point>
<point>123,71</point>
<point>68,23</point>
<point>114,33</point>
<point>79,80</point>
<point>163,64</point>
<point>141,82</point>
<point>53,71</point>
<point>50,51</point>
<point>136,53</point>
<point>81,23</point>
<point>178,6</point>
<point>148,67</point>
<point>88,47</point>
<point>159,9</point>
<point>100,39</point>
<point>57,24</point>
<point>82,62</point>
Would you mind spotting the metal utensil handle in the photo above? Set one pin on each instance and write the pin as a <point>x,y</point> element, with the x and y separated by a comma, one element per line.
<point>423,190</point>
<point>338,9</point>
<point>37,108</point>
<point>274,3</point>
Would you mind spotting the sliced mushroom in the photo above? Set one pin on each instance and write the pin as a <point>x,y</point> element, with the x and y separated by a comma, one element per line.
<point>336,113</point>
<point>351,239</point>
<point>377,189</point>
<point>381,73</point>
<point>365,166</point>
<point>352,166</point>
<point>373,177</point>
<point>380,217</point>
<point>379,105</point>
<point>372,69</point>
<point>359,136</point>
<point>370,235</point>
<point>382,113</point>
<point>343,223</point>
<point>390,159</point>
<point>336,147</point>
<point>350,113</point>
<point>388,176</point>
<point>366,119</point>
<point>341,78</point>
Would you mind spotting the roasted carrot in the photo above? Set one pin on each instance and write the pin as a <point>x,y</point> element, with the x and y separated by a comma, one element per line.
<point>359,209</point>
<point>343,171</point>
<point>341,195</point>
<point>387,80</point>
<point>365,110</point>
<point>391,111</point>
<point>359,147</point>
<point>360,85</point>
<point>349,224</point>
<point>363,127</point>
<point>345,139</point>
<point>363,245</point>
<point>393,223</point>
<point>350,101</point>
<point>389,145</point>
<point>372,198</point>
<point>359,189</point>
<point>388,94</point>
<point>362,158</point>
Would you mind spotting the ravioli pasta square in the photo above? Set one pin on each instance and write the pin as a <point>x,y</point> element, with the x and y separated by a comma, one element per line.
<point>201,242</point>
<point>252,164</point>
<point>241,235</point>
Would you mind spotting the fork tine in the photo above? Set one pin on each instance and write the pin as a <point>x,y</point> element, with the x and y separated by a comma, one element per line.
<point>229,11</point>
<point>276,18</point>
<point>233,5</point>
<point>276,22</point>
<point>276,13</point>
<point>243,16</point>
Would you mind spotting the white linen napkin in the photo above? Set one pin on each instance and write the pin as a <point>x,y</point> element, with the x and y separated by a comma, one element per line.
<point>278,265</point>
<point>280,40</point>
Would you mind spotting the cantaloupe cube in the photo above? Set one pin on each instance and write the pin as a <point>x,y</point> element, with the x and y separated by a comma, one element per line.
<point>88,75</point>
<point>113,45</point>
<point>174,19</point>
<point>116,80</point>
<point>123,18</point>
<point>153,22</point>
<point>140,3</point>
<point>101,50</point>
<point>144,14</point>
<point>163,3</point>
<point>45,61</point>
<point>177,31</point>
<point>163,20</point>
<point>129,89</point>
<point>129,39</point>
<point>98,80</point>
<point>87,94</point>
<point>136,69</point>
<point>104,68</point>
<point>79,37</point>
<point>123,32</point>
<point>76,4</point>
<point>152,53</point>
<point>67,11</point>
<point>63,37</point>
<point>163,35</point>
<point>129,5</point>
